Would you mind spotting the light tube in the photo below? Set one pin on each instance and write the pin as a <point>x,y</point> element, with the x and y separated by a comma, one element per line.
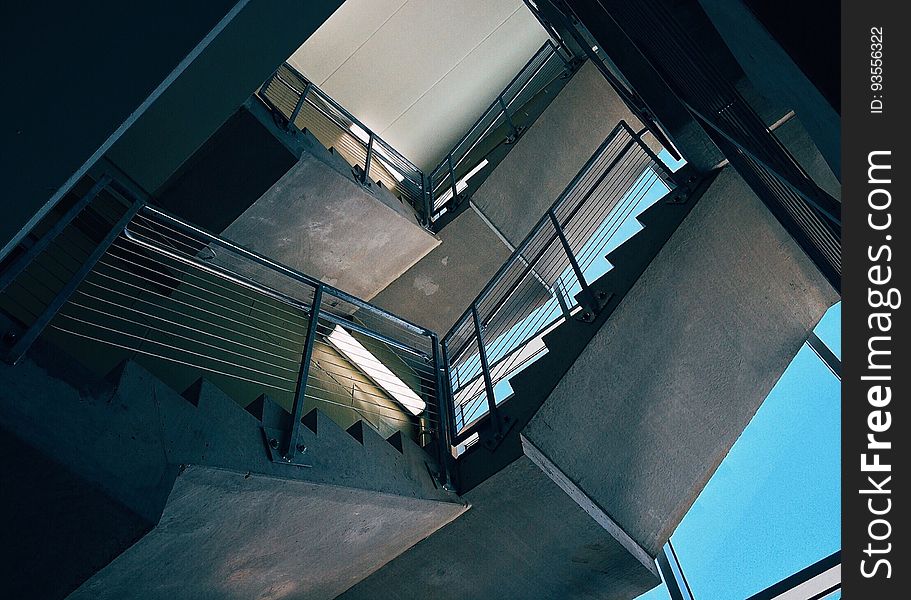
<point>370,365</point>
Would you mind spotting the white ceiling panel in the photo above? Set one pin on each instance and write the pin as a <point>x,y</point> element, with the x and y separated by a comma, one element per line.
<point>419,72</point>
<point>435,122</point>
<point>340,36</point>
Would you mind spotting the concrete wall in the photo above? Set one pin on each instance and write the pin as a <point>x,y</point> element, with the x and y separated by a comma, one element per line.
<point>235,524</point>
<point>320,221</point>
<point>254,44</point>
<point>523,538</point>
<point>437,290</point>
<point>775,74</point>
<point>75,77</point>
<point>524,185</point>
<point>717,317</point>
<point>232,535</point>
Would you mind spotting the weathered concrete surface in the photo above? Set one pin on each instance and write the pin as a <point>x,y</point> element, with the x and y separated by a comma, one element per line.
<point>514,197</point>
<point>437,290</point>
<point>317,221</point>
<point>523,538</point>
<point>117,446</point>
<point>550,153</point>
<point>650,408</point>
<point>794,136</point>
<point>227,534</point>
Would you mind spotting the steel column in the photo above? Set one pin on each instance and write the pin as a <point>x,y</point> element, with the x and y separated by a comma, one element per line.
<point>485,370</point>
<point>512,126</point>
<point>366,178</point>
<point>299,105</point>
<point>300,392</point>
<point>452,181</point>
<point>587,295</point>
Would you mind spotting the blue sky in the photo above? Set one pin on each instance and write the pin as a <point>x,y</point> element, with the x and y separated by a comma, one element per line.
<point>773,506</point>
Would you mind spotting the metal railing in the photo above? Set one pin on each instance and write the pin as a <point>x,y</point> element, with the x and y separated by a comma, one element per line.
<point>588,46</point>
<point>113,277</point>
<point>501,122</point>
<point>811,215</point>
<point>303,105</point>
<point>547,279</point>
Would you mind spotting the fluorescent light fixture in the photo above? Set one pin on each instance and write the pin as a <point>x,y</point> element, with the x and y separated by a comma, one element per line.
<point>461,184</point>
<point>476,168</point>
<point>370,365</point>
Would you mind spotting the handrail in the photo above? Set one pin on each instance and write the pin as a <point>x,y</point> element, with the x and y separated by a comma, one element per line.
<point>159,287</point>
<point>542,68</point>
<point>532,292</point>
<point>373,157</point>
<point>286,270</point>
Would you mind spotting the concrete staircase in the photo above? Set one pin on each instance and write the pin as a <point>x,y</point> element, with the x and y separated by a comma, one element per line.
<point>182,498</point>
<point>614,432</point>
<point>619,426</point>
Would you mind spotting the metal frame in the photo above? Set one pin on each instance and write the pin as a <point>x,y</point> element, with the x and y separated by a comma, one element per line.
<point>808,213</point>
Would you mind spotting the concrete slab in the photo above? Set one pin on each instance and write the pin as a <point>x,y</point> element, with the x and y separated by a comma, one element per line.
<point>317,221</point>
<point>524,537</point>
<point>437,290</point>
<point>228,534</point>
<point>717,317</point>
<point>550,153</point>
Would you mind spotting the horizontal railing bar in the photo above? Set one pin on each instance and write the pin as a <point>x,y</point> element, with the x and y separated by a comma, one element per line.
<point>293,273</point>
<point>544,220</point>
<point>219,271</point>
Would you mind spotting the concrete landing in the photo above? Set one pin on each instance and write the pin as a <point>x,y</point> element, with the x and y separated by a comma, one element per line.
<point>227,534</point>
<point>523,538</point>
<point>717,316</point>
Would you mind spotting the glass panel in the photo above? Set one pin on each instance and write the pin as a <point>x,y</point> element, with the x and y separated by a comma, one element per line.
<point>829,329</point>
<point>773,506</point>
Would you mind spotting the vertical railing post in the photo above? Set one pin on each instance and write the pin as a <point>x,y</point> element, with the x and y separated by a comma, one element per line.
<point>444,432</point>
<point>299,105</point>
<point>452,180</point>
<point>369,160</point>
<point>558,290</point>
<point>267,83</point>
<point>21,344</point>
<point>512,126</point>
<point>294,445</point>
<point>426,187</point>
<point>588,298</point>
<point>485,371</point>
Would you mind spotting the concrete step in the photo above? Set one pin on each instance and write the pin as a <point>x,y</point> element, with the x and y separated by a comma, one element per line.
<point>124,443</point>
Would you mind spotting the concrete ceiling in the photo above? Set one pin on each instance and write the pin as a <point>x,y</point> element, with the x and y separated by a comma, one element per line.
<point>420,72</point>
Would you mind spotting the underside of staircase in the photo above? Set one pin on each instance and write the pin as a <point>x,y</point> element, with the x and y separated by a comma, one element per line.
<point>618,427</point>
<point>132,490</point>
